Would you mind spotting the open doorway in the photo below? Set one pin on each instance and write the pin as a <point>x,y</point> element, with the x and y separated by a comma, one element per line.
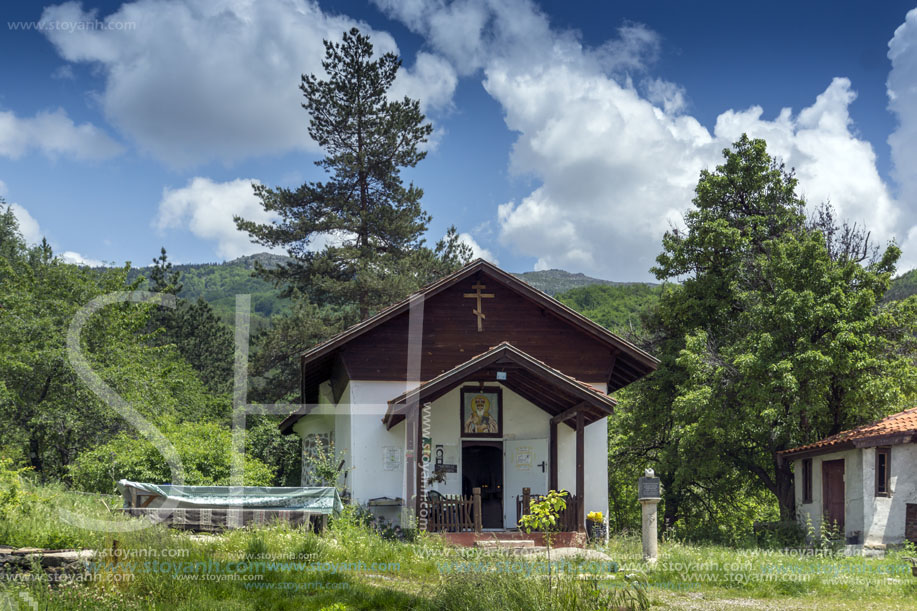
<point>482,467</point>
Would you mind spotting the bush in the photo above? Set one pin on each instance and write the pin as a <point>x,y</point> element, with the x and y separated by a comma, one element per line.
<point>205,450</point>
<point>12,490</point>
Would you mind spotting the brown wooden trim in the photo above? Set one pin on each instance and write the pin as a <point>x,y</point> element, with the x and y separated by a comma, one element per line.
<point>885,440</point>
<point>611,367</point>
<point>807,480</point>
<point>419,491</point>
<point>791,455</point>
<point>826,499</point>
<point>469,443</point>
<point>883,483</point>
<point>598,402</point>
<point>339,379</point>
<point>497,390</point>
<point>573,411</point>
<point>580,465</point>
<point>532,294</point>
<point>552,449</point>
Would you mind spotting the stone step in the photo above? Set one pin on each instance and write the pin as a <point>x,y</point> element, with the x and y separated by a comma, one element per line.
<point>505,543</point>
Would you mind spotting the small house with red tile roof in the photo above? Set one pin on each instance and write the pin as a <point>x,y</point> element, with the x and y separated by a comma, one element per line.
<point>458,404</point>
<point>863,480</point>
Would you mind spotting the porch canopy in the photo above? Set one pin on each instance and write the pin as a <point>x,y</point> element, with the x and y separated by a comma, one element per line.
<point>566,399</point>
<point>556,393</point>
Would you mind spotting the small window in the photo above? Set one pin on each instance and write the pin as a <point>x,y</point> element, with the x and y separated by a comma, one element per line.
<point>807,480</point>
<point>883,471</point>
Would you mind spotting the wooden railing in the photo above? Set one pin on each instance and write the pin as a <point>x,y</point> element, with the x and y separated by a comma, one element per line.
<point>454,513</point>
<point>568,518</point>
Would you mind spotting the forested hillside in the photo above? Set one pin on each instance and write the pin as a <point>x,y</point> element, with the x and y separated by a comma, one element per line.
<point>903,286</point>
<point>219,283</point>
<point>172,366</point>
<point>555,281</point>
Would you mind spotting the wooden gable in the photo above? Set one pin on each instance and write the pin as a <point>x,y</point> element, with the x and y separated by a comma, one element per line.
<point>450,335</point>
<point>508,310</point>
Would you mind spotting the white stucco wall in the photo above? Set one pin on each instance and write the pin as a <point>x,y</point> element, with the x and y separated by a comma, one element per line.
<point>321,421</point>
<point>596,467</point>
<point>880,520</point>
<point>853,490</point>
<point>368,437</point>
<point>360,438</point>
<point>884,516</point>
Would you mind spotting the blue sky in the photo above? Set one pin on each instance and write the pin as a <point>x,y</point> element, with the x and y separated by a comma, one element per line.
<point>568,134</point>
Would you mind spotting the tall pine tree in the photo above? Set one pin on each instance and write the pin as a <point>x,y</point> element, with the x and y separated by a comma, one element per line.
<point>370,223</point>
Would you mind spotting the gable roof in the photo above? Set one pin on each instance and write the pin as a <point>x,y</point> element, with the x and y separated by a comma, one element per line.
<point>629,363</point>
<point>546,387</point>
<point>891,430</point>
<point>643,361</point>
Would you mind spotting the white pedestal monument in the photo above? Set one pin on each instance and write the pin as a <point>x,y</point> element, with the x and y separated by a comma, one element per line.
<point>649,495</point>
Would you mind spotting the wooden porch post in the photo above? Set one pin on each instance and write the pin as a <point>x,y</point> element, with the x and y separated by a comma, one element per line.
<point>580,473</point>
<point>410,465</point>
<point>476,509</point>
<point>418,466</point>
<point>552,450</point>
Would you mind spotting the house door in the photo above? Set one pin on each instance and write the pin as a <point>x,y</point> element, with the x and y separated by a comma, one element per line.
<point>482,467</point>
<point>832,478</point>
<point>526,466</point>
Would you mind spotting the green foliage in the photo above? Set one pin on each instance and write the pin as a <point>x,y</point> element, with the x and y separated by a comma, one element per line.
<point>376,254</point>
<point>320,464</point>
<point>12,489</point>
<point>902,287</point>
<point>47,414</point>
<point>557,281</point>
<point>544,516</point>
<point>205,449</point>
<point>219,283</point>
<point>276,351</point>
<point>36,521</point>
<point>371,223</point>
<point>515,590</point>
<point>774,337</point>
<point>428,574</point>
<point>618,308</point>
<point>282,453</point>
<point>544,513</point>
<point>202,340</point>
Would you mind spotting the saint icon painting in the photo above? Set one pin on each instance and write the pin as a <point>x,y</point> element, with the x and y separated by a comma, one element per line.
<point>482,412</point>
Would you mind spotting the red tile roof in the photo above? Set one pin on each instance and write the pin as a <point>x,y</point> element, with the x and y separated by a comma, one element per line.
<point>897,427</point>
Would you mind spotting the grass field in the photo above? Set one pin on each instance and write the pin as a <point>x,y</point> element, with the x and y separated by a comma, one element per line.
<point>351,567</point>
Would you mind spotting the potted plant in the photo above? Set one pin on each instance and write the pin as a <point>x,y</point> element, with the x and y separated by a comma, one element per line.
<point>596,525</point>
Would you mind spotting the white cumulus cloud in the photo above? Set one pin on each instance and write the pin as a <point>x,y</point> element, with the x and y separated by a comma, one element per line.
<point>54,134</point>
<point>206,209</point>
<point>197,80</point>
<point>478,251</point>
<point>28,226</point>
<point>32,234</point>
<point>77,259</point>
<point>617,162</point>
<point>902,96</point>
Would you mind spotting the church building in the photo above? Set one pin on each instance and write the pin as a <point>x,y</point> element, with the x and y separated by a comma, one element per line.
<point>448,409</point>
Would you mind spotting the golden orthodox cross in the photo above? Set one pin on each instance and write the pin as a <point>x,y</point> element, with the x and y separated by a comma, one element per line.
<point>478,311</point>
